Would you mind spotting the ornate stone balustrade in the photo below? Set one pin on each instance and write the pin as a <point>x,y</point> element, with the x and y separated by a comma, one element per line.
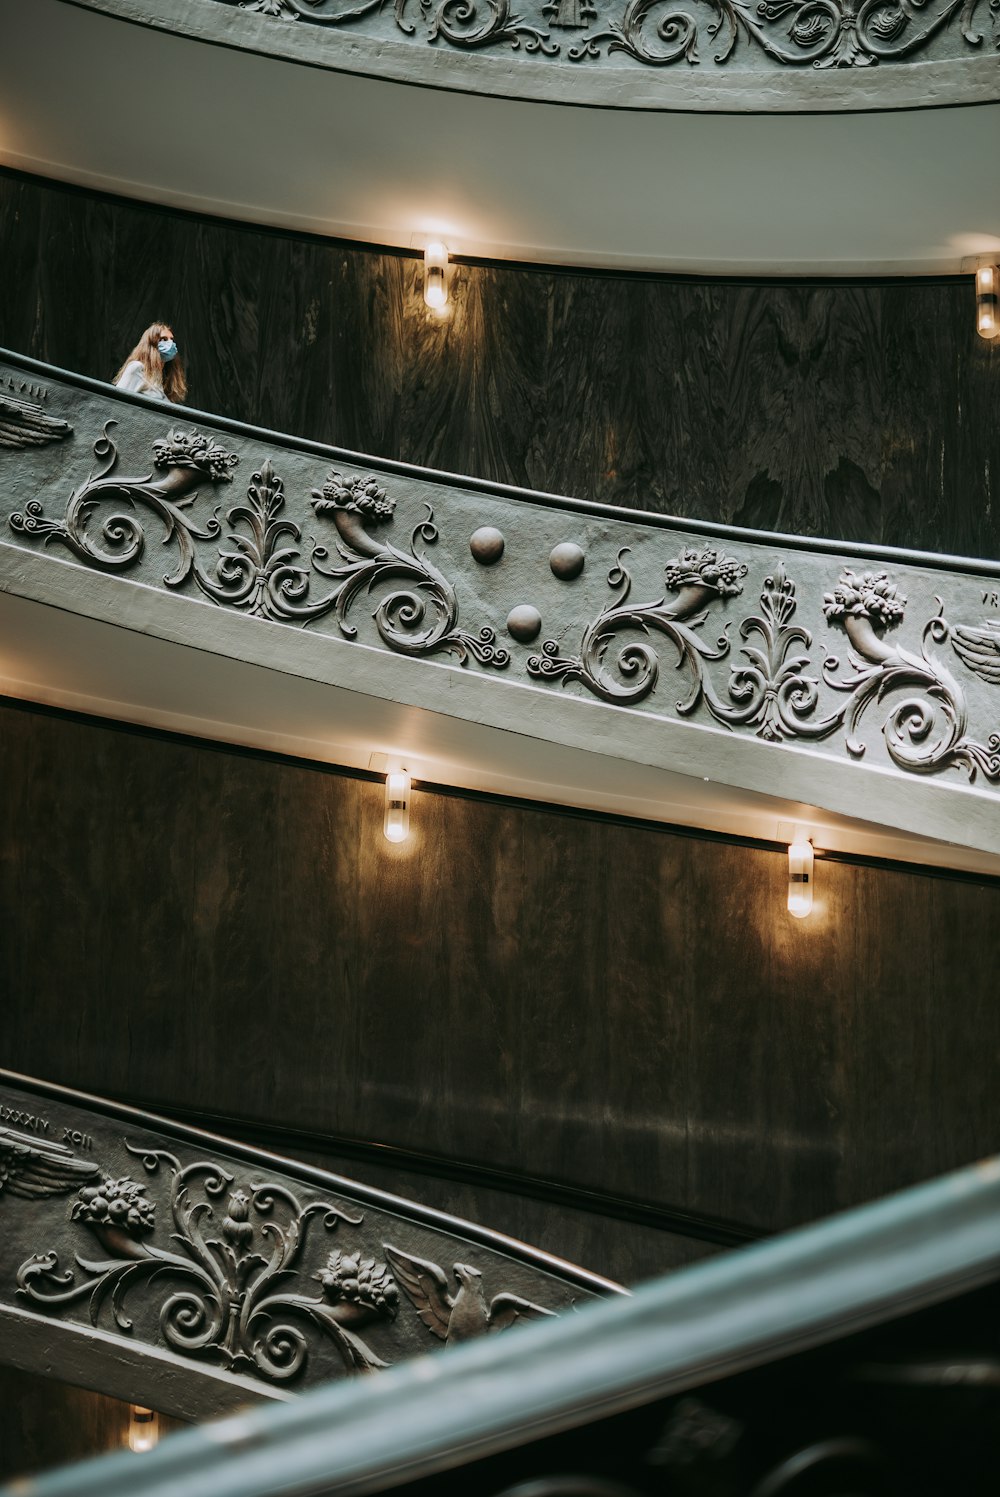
<point>857,1355</point>
<point>863,682</point>
<point>755,55</point>
<point>170,1268</point>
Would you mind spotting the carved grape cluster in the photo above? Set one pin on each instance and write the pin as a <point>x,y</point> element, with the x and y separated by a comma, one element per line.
<point>115,1203</point>
<point>192,449</point>
<point>354,1280</point>
<point>361,495</point>
<point>871,596</point>
<point>706,568</point>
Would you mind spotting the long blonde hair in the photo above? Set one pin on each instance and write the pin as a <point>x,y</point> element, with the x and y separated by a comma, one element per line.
<point>169,376</point>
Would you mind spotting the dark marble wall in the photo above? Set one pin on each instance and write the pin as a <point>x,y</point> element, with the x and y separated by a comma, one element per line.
<point>852,410</point>
<point>617,1006</point>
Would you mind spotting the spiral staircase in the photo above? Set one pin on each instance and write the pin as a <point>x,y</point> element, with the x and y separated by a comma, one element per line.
<point>195,573</point>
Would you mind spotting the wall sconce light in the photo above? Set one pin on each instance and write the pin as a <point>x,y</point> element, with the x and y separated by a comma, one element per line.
<point>143,1428</point>
<point>397,806</point>
<point>800,878</point>
<point>435,275</point>
<point>988,301</point>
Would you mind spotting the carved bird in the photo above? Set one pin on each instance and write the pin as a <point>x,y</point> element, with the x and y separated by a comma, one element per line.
<point>461,1316</point>
<point>980,649</point>
<point>37,1167</point>
<point>23,424</point>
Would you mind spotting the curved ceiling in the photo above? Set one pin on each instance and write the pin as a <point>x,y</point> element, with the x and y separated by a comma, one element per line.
<point>128,109</point>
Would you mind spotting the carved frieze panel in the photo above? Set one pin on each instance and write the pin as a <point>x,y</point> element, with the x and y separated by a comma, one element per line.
<point>886,662</point>
<point>705,54</point>
<point>112,1224</point>
<point>660,33</point>
<point>772,687</point>
<point>715,53</point>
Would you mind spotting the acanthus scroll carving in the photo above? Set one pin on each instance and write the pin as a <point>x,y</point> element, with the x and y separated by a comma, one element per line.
<point>923,733</point>
<point>696,578</point>
<point>657,33</point>
<point>771,690</point>
<point>225,1293</point>
<point>259,569</point>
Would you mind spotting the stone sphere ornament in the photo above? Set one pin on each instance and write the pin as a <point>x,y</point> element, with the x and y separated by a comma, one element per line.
<point>524,623</point>
<point>486,545</point>
<point>566,560</point>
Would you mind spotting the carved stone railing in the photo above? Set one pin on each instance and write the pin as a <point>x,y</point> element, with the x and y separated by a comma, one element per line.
<point>860,1356</point>
<point>863,681</point>
<point>169,1267</point>
<point>754,55</point>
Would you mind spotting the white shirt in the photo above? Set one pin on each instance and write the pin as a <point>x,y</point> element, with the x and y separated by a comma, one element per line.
<point>133,379</point>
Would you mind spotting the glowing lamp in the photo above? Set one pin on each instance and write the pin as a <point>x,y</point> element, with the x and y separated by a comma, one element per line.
<point>397,806</point>
<point>143,1428</point>
<point>800,878</point>
<point>988,301</point>
<point>435,277</point>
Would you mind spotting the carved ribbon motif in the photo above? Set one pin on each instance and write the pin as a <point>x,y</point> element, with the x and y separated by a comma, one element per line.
<point>772,691</point>
<point>258,569</point>
<point>657,33</point>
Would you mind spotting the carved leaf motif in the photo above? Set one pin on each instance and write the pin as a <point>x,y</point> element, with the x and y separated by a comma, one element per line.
<point>270,8</point>
<point>889,22</point>
<point>810,29</point>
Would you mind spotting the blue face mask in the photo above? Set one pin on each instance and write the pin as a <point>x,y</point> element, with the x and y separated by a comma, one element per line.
<point>167,349</point>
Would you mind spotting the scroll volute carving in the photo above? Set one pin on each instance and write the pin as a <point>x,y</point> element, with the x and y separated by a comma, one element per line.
<point>718,34</point>
<point>233,1270</point>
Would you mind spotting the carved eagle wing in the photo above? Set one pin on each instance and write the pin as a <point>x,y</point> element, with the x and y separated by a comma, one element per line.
<point>426,1286</point>
<point>23,424</point>
<point>507,1309</point>
<point>35,1167</point>
<point>980,649</point>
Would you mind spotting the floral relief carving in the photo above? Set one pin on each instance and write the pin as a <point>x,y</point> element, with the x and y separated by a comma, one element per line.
<point>750,670</point>
<point>223,1290</point>
<point>771,689</point>
<point>815,33</point>
<point>925,732</point>
<point>121,540</point>
<point>656,33</point>
<point>696,577</point>
<point>259,568</point>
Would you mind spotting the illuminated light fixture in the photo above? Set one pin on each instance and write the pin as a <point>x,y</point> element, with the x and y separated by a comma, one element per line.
<point>143,1428</point>
<point>988,301</point>
<point>397,805</point>
<point>800,878</point>
<point>435,275</point>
